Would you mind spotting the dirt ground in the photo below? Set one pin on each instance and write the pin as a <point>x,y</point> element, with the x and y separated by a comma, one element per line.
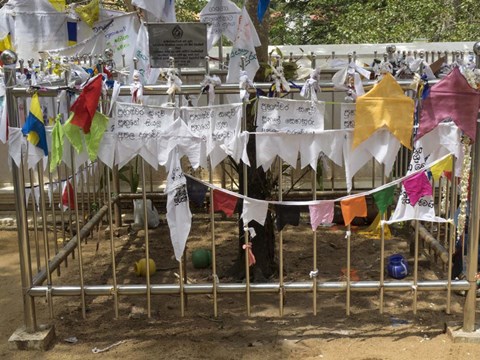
<point>364,335</point>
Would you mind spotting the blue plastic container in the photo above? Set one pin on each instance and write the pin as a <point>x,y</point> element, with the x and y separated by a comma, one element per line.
<point>397,267</point>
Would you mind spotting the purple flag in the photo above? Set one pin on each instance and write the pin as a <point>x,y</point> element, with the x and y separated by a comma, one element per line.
<point>321,213</point>
<point>417,186</point>
<point>453,98</point>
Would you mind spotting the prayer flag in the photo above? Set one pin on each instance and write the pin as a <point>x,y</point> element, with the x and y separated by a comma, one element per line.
<point>321,213</point>
<point>68,196</point>
<point>254,210</point>
<point>85,106</point>
<point>94,137</point>
<point>56,153</point>
<point>417,186</point>
<point>222,19</point>
<point>196,191</point>
<point>384,105</point>
<point>262,9</point>
<point>224,202</point>
<point>287,215</point>
<point>89,13</point>
<point>452,97</point>
<point>244,45</point>
<point>59,5</point>
<point>72,33</point>
<point>353,207</point>
<point>384,198</point>
<point>444,165</point>
<point>73,134</point>
<point>34,127</point>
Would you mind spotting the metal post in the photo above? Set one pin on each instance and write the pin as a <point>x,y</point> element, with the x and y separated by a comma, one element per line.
<point>147,247</point>
<point>474,230</point>
<point>112,247</point>
<point>9,59</point>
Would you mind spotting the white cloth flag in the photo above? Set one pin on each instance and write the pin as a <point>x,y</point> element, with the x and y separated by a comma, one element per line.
<point>3,114</point>
<point>179,217</point>
<point>158,10</point>
<point>254,210</point>
<point>106,150</point>
<point>424,209</point>
<point>222,17</point>
<point>382,145</point>
<point>16,145</point>
<point>246,40</point>
<point>148,75</point>
<point>446,138</point>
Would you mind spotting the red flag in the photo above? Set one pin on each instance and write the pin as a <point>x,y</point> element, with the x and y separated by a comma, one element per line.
<point>68,197</point>
<point>224,202</point>
<point>86,104</point>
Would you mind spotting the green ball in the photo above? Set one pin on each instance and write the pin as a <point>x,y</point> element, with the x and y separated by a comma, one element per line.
<point>201,258</point>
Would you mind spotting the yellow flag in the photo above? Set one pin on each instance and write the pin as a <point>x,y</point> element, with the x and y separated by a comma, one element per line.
<point>384,106</point>
<point>59,5</point>
<point>444,165</point>
<point>6,43</point>
<point>89,13</point>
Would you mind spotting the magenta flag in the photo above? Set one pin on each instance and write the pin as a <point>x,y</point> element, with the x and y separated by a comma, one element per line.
<point>453,98</point>
<point>417,186</point>
<point>321,213</point>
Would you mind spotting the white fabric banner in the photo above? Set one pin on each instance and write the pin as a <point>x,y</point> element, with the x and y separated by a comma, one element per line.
<point>382,145</point>
<point>3,114</point>
<point>222,17</point>
<point>158,10</point>
<point>137,129</point>
<point>246,39</point>
<point>347,115</point>
<point>254,210</point>
<point>424,209</point>
<point>290,116</point>
<point>219,126</point>
<point>179,217</point>
<point>148,75</point>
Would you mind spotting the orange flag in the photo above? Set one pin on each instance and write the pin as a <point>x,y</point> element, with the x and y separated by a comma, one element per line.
<point>353,207</point>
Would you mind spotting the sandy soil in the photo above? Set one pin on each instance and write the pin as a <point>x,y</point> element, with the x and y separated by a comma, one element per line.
<point>365,334</point>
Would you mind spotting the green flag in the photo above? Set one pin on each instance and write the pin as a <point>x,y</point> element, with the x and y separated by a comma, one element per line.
<point>73,134</point>
<point>56,152</point>
<point>94,137</point>
<point>384,198</point>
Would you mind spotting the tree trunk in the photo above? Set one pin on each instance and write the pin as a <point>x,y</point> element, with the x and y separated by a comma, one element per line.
<point>263,244</point>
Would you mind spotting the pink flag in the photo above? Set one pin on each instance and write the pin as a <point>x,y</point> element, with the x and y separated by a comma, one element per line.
<point>417,186</point>
<point>321,213</point>
<point>453,98</point>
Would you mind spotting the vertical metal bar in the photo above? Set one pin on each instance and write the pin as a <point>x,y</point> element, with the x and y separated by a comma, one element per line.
<point>46,247</point>
<point>382,263</point>
<point>452,233</point>
<point>280,249</point>
<point>79,242</point>
<point>34,213</point>
<point>82,198</point>
<point>147,247</point>
<point>315,251</point>
<point>245,193</point>
<point>474,230</point>
<point>89,199</point>
<point>9,59</point>
<point>54,215</point>
<point>117,207</point>
<point>349,235</point>
<point>182,287</point>
<point>62,210</point>
<point>112,247</point>
<point>415,268</point>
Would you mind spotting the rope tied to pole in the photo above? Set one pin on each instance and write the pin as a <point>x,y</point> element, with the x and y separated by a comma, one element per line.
<point>251,257</point>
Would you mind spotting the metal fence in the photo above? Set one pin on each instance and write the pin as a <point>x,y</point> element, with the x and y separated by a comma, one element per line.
<point>83,221</point>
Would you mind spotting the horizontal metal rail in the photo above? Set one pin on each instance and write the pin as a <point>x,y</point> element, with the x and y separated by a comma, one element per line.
<point>268,288</point>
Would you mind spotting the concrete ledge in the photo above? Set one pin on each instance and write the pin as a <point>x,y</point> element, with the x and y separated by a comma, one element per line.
<point>455,332</point>
<point>42,339</point>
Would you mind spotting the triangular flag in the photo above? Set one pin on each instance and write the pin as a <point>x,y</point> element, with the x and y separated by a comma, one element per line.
<point>384,105</point>
<point>94,137</point>
<point>56,153</point>
<point>90,12</point>
<point>224,202</point>
<point>34,127</point>
<point>68,196</point>
<point>244,45</point>
<point>452,97</point>
<point>214,14</point>
<point>353,207</point>
<point>286,215</point>
<point>262,9</point>
<point>417,186</point>
<point>374,231</point>
<point>196,191</point>
<point>85,106</point>
<point>384,198</point>
<point>254,210</point>
<point>321,213</point>
<point>443,165</point>
<point>73,134</point>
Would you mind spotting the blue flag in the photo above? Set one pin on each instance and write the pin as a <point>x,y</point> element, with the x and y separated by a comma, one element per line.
<point>262,9</point>
<point>34,128</point>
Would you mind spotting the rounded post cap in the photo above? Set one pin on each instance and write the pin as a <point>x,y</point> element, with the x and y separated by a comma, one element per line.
<point>476,48</point>
<point>9,57</point>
